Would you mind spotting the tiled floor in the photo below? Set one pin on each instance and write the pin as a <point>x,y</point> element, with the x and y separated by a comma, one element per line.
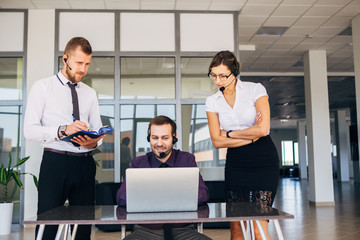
<point>340,222</point>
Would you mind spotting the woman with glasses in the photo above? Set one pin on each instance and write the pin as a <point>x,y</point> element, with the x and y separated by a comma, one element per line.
<point>239,119</point>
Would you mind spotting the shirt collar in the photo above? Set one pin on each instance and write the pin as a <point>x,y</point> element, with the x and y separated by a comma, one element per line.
<point>63,79</point>
<point>239,84</point>
<point>156,163</point>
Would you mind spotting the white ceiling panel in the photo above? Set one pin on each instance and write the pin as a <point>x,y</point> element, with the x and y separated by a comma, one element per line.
<point>333,47</point>
<point>296,2</point>
<point>333,2</point>
<point>247,30</point>
<point>342,54</point>
<point>290,39</point>
<point>305,47</point>
<point>290,10</point>
<point>341,39</point>
<point>310,21</point>
<point>251,20</point>
<point>87,4</point>
<point>262,46</point>
<point>280,21</point>
<point>229,1</point>
<point>244,38</point>
<point>290,60</point>
<point>274,53</point>
<point>350,10</point>
<point>316,40</point>
<point>51,4</point>
<point>264,38</point>
<point>338,21</point>
<point>299,31</point>
<point>286,46</point>
<point>328,31</point>
<point>225,7</point>
<point>124,4</point>
<point>192,5</point>
<point>16,4</point>
<point>157,4</point>
<point>160,6</point>
<point>326,11</point>
<point>257,10</point>
<point>263,1</point>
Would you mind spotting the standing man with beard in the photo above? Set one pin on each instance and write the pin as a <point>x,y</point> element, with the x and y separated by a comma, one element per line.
<point>59,106</point>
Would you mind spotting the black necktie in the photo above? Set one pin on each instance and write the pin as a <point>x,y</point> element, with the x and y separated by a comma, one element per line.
<point>163,165</point>
<point>75,101</point>
<point>167,227</point>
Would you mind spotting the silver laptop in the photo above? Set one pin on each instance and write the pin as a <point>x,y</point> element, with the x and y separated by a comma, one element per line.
<point>162,189</point>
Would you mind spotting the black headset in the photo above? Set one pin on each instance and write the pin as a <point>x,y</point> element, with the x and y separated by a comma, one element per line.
<point>237,67</point>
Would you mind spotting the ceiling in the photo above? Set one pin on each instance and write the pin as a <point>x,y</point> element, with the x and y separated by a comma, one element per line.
<point>308,25</point>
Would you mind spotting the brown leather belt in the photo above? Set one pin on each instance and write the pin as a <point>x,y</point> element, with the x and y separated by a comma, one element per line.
<point>86,154</point>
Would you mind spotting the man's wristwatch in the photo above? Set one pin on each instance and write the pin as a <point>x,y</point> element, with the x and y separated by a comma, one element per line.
<point>62,130</point>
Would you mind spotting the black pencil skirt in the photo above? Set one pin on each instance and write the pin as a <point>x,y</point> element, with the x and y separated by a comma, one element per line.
<point>252,172</point>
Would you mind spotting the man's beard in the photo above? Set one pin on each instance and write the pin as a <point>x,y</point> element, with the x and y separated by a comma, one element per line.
<point>72,77</point>
<point>164,154</point>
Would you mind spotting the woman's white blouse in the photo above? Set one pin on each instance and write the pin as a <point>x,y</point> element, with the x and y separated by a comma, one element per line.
<point>243,114</point>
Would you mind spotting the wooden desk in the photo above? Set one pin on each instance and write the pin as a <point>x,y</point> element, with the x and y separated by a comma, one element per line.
<point>107,214</point>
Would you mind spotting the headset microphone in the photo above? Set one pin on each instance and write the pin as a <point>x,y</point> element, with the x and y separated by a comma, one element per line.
<point>223,88</point>
<point>65,60</point>
<point>162,155</point>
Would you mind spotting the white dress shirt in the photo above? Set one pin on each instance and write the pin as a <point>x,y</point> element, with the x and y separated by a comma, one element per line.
<point>242,115</point>
<point>49,105</point>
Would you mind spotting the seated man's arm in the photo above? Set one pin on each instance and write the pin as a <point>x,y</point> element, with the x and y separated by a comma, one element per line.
<point>121,194</point>
<point>203,196</point>
<point>203,192</point>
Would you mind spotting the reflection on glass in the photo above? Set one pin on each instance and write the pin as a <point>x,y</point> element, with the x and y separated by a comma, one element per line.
<point>287,153</point>
<point>194,80</point>
<point>196,137</point>
<point>100,76</point>
<point>147,77</point>
<point>104,154</point>
<point>133,130</point>
<point>10,143</point>
<point>11,78</point>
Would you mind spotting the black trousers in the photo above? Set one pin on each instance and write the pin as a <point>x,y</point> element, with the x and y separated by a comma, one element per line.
<point>65,177</point>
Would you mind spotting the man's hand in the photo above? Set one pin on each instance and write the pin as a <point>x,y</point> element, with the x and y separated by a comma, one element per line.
<point>87,141</point>
<point>75,127</point>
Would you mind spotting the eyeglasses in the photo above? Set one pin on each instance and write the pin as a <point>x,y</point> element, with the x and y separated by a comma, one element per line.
<point>221,76</point>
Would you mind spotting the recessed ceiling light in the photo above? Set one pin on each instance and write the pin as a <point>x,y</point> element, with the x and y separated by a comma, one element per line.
<point>299,63</point>
<point>271,30</point>
<point>346,32</point>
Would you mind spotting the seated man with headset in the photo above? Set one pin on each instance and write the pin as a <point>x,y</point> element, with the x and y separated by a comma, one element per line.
<point>162,137</point>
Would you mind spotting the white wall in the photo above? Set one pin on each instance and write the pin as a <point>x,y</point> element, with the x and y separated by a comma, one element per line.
<point>40,64</point>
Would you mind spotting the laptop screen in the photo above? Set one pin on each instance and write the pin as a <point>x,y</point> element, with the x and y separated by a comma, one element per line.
<point>162,189</point>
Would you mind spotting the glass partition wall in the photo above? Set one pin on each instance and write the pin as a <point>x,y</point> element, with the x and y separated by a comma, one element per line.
<point>11,106</point>
<point>150,68</point>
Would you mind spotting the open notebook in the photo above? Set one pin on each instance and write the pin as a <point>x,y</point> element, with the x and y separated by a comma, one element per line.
<point>162,189</point>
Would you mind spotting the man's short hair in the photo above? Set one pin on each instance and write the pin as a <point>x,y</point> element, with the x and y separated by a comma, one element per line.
<point>76,42</point>
<point>162,120</point>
